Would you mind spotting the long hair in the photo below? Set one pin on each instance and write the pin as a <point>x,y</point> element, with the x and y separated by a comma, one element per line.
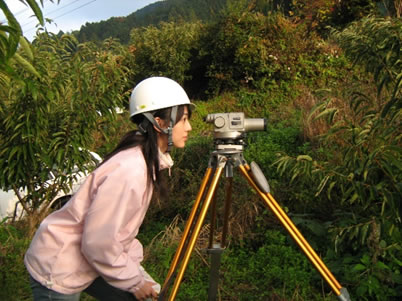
<point>149,145</point>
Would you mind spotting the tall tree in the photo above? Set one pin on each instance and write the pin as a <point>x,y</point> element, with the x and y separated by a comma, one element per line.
<point>48,118</point>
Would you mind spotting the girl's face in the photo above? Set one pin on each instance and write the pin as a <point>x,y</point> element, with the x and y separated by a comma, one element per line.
<point>181,130</point>
<point>179,133</point>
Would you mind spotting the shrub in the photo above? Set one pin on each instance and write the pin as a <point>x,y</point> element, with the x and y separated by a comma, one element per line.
<point>254,50</point>
<point>14,278</point>
<point>273,271</point>
<point>165,50</point>
<point>48,119</point>
<point>356,167</point>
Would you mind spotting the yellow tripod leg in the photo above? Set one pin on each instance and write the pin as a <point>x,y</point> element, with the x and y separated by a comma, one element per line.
<point>196,231</point>
<point>296,235</point>
<point>188,226</point>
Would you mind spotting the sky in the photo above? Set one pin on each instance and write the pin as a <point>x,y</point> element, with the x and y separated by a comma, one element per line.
<point>70,15</point>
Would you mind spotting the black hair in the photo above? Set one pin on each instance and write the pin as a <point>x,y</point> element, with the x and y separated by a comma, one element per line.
<point>148,142</point>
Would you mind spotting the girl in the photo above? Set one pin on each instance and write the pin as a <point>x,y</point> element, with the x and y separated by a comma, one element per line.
<point>90,244</point>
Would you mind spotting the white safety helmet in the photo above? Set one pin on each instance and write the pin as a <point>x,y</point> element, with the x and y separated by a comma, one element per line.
<point>157,93</point>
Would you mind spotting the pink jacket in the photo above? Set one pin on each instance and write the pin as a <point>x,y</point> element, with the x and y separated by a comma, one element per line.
<point>94,234</point>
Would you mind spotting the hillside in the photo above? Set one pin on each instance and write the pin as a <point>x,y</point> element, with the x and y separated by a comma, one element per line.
<point>208,11</point>
<point>153,14</point>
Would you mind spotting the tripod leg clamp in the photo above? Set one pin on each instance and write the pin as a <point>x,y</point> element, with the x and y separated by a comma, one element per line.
<point>344,296</point>
<point>259,178</point>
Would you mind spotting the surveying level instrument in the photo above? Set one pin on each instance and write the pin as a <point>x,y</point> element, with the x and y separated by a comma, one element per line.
<point>229,133</point>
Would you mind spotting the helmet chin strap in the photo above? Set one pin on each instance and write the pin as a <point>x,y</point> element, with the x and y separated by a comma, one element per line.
<point>169,130</point>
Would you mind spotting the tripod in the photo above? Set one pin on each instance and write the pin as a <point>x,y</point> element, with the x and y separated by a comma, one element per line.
<point>226,157</point>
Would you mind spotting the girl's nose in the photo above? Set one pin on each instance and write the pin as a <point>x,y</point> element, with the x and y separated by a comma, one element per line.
<point>188,126</point>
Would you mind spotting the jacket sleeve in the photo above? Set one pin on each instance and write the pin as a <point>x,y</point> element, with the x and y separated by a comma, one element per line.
<point>117,210</point>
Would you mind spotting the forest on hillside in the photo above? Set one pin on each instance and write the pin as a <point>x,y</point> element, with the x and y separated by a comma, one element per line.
<point>208,11</point>
<point>327,76</point>
<point>153,14</point>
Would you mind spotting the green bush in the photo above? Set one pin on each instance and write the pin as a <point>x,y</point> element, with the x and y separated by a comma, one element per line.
<point>274,271</point>
<point>14,278</point>
<point>47,119</point>
<point>165,50</point>
<point>249,49</point>
<point>355,167</point>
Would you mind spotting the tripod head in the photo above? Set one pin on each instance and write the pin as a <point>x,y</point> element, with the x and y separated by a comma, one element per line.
<point>230,129</point>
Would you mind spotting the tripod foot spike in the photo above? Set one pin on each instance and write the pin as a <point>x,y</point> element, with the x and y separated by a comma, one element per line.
<point>344,296</point>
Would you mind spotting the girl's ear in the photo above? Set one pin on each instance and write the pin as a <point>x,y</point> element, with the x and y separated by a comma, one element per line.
<point>161,124</point>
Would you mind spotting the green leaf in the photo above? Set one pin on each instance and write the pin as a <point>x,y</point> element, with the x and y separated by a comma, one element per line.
<point>316,108</point>
<point>14,150</point>
<point>322,185</point>
<point>37,11</point>
<point>359,267</point>
<point>381,265</point>
<point>14,32</point>
<point>304,157</point>
<point>330,111</point>
<point>329,190</point>
<point>363,234</point>
<point>294,176</point>
<point>26,47</point>
<point>353,198</point>
<point>26,65</point>
<point>365,260</point>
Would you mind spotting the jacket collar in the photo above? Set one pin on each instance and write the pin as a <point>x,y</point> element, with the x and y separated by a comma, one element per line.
<point>165,161</point>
